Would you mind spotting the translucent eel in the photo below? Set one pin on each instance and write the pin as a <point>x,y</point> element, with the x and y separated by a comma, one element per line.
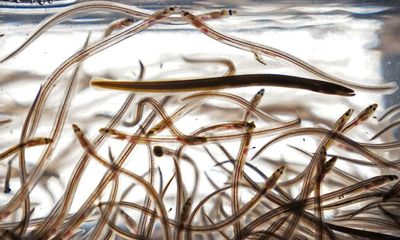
<point>173,117</point>
<point>254,102</point>
<point>93,6</point>
<point>323,169</point>
<point>55,134</point>
<point>292,206</point>
<point>92,50</point>
<point>269,184</point>
<point>181,193</point>
<point>383,146</point>
<point>350,201</point>
<point>108,214</point>
<point>228,221</point>
<point>237,100</point>
<point>248,179</point>
<point>29,143</point>
<point>22,162</point>
<point>233,81</point>
<point>390,111</point>
<point>385,129</point>
<point>361,117</point>
<point>311,171</point>
<point>350,160</point>
<point>162,113</point>
<point>78,217</point>
<point>205,139</point>
<point>65,201</point>
<point>13,204</point>
<point>272,52</point>
<point>231,97</point>
<point>147,201</point>
<point>113,167</point>
<point>80,56</point>
<point>301,175</point>
<point>183,217</point>
<point>354,146</point>
<point>237,176</point>
<point>118,24</point>
<point>105,214</point>
<point>351,214</point>
<point>177,155</point>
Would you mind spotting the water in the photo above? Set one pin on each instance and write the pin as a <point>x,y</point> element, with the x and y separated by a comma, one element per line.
<point>357,42</point>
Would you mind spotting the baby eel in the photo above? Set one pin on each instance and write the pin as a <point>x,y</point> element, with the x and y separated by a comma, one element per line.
<point>273,52</point>
<point>93,49</point>
<point>103,6</point>
<point>209,139</point>
<point>153,193</point>
<point>65,202</point>
<point>361,117</point>
<point>354,146</point>
<point>217,14</point>
<point>254,102</point>
<point>310,171</point>
<point>29,143</point>
<point>118,24</point>
<point>269,184</point>
<point>190,140</point>
<point>181,192</point>
<point>237,176</point>
<point>35,113</point>
<point>223,82</point>
<point>79,216</point>
<point>324,168</point>
<point>177,155</point>
<point>360,186</point>
<point>105,214</point>
<point>237,100</point>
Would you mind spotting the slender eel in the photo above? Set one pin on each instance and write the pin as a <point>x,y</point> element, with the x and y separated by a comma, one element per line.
<point>254,102</point>
<point>153,193</point>
<point>232,81</point>
<point>318,158</point>
<point>273,52</point>
<point>106,6</point>
<point>29,143</point>
<point>237,176</point>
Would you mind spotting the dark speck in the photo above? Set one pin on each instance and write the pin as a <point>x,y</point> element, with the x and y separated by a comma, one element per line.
<point>7,189</point>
